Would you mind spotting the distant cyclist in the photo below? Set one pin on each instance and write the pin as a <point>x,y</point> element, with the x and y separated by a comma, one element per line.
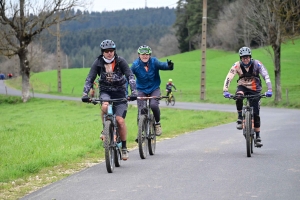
<point>169,87</point>
<point>111,69</point>
<point>146,70</point>
<point>249,83</point>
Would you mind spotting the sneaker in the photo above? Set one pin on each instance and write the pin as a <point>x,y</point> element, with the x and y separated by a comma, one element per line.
<point>125,154</point>
<point>158,131</point>
<point>258,142</point>
<point>239,125</point>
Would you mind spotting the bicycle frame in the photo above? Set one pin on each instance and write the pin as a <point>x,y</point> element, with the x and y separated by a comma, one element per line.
<point>248,119</point>
<point>146,136</point>
<point>112,140</point>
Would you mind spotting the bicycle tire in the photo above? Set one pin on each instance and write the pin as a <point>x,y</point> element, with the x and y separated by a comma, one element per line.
<point>252,139</point>
<point>108,146</point>
<point>167,101</point>
<point>248,127</point>
<point>142,136</point>
<point>172,101</point>
<point>118,155</point>
<point>152,137</point>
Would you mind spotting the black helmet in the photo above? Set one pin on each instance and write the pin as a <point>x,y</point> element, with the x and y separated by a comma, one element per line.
<point>107,44</point>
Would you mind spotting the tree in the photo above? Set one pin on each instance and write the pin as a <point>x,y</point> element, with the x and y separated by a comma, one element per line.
<point>22,21</point>
<point>271,22</point>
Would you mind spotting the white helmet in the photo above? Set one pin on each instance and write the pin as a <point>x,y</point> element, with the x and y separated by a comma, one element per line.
<point>245,51</point>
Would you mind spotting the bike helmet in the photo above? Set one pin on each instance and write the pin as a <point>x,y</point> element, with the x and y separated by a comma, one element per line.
<point>245,51</point>
<point>170,80</point>
<point>107,44</point>
<point>144,49</point>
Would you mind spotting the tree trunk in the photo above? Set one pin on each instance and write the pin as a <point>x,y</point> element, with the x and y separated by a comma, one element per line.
<point>277,49</point>
<point>25,72</point>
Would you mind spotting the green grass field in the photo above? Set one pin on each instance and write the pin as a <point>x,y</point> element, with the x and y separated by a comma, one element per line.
<point>44,140</point>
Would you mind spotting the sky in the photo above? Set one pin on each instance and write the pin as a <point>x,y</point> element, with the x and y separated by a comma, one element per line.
<point>111,5</point>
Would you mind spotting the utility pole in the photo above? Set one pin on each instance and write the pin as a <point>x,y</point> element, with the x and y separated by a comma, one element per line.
<point>203,50</point>
<point>58,56</point>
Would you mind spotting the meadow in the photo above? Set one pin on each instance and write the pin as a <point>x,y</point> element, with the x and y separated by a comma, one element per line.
<point>44,140</point>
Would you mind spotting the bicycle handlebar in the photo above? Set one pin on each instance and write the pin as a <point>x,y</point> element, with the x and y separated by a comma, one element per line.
<point>152,97</point>
<point>96,101</point>
<point>249,96</point>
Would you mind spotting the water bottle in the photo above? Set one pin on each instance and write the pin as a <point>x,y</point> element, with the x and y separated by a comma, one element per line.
<point>119,144</point>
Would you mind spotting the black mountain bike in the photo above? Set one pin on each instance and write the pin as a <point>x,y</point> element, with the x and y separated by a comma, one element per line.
<point>248,120</point>
<point>111,141</point>
<point>146,128</point>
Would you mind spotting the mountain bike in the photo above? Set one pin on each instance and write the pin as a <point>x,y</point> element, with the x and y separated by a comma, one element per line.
<point>146,128</point>
<point>170,99</point>
<point>111,136</point>
<point>248,120</point>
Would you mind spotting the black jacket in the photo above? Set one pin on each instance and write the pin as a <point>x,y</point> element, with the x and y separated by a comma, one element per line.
<point>114,81</point>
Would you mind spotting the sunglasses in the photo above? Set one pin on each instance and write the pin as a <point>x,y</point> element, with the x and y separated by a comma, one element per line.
<point>108,50</point>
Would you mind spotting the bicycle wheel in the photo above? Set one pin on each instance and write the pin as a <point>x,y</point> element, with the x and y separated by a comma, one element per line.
<point>172,100</point>
<point>248,132</point>
<point>118,154</point>
<point>167,101</point>
<point>142,136</point>
<point>252,139</point>
<point>108,146</point>
<point>152,137</point>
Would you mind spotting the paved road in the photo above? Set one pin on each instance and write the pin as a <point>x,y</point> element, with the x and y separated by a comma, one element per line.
<point>207,164</point>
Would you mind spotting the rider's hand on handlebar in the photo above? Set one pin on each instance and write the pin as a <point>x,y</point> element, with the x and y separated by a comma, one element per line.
<point>226,94</point>
<point>85,98</point>
<point>133,96</point>
<point>269,93</point>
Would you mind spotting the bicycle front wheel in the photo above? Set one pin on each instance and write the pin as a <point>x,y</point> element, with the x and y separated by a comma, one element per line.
<point>172,100</point>
<point>167,101</point>
<point>142,136</point>
<point>152,137</point>
<point>248,127</point>
<point>109,146</point>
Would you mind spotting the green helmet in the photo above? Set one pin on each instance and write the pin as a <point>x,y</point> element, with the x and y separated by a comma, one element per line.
<point>144,49</point>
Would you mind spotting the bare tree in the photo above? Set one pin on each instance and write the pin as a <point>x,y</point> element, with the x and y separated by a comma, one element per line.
<point>21,21</point>
<point>271,22</point>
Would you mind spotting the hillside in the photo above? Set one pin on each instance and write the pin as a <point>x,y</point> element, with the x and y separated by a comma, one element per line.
<point>127,28</point>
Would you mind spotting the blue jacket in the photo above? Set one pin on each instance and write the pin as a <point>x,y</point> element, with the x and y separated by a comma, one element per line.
<point>147,82</point>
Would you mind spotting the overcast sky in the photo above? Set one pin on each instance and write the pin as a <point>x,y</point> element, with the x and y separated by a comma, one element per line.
<point>110,5</point>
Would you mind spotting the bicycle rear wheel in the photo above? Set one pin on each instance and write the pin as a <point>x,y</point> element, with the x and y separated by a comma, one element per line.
<point>108,146</point>
<point>142,136</point>
<point>172,100</point>
<point>152,137</point>
<point>248,127</point>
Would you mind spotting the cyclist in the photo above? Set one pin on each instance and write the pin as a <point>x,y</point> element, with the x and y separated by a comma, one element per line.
<point>169,87</point>
<point>249,83</point>
<point>111,69</point>
<point>146,70</point>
